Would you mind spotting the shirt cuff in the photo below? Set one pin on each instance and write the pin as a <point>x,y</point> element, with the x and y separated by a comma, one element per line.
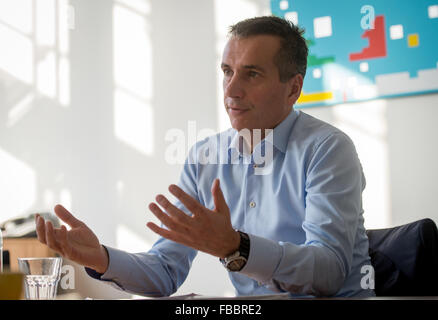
<point>264,257</point>
<point>116,260</point>
<point>93,273</point>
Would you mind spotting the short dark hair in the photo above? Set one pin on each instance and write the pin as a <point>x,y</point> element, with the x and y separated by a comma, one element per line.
<point>292,56</point>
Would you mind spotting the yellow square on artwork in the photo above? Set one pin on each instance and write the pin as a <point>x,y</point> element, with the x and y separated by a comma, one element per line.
<point>413,40</point>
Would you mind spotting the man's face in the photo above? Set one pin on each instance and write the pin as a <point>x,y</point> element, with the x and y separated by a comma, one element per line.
<point>254,96</point>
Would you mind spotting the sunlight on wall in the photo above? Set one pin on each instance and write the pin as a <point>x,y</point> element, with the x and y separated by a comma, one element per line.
<point>65,23</point>
<point>133,122</point>
<point>19,110</point>
<point>17,186</point>
<point>365,123</point>
<point>133,113</point>
<point>129,241</point>
<point>16,24</point>
<point>17,14</point>
<point>46,81</point>
<point>37,38</point>
<point>17,60</point>
<point>45,24</point>
<point>52,48</point>
<point>141,6</point>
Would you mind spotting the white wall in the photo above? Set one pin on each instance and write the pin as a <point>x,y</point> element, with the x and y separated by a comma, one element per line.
<point>84,124</point>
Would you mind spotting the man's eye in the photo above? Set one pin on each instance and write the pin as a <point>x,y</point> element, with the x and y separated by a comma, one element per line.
<point>227,72</point>
<point>253,74</point>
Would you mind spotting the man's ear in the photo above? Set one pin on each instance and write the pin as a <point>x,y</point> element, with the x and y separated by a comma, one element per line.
<point>295,86</point>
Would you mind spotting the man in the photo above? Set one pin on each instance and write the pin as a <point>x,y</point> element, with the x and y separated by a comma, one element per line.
<point>297,229</point>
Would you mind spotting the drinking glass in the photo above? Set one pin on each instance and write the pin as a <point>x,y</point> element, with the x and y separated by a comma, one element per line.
<point>41,277</point>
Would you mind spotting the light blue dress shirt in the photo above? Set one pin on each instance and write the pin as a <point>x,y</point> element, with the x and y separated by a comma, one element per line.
<point>304,216</point>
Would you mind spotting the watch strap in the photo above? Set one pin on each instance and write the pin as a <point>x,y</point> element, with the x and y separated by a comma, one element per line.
<point>240,254</point>
<point>244,244</point>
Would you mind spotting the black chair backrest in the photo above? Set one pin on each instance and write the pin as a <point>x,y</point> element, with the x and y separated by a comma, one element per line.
<point>405,259</point>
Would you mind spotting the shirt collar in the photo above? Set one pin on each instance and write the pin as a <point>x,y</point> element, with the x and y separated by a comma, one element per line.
<point>280,134</point>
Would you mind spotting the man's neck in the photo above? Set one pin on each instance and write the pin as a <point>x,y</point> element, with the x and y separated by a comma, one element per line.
<point>253,140</point>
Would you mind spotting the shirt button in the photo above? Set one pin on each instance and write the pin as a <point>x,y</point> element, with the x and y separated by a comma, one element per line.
<point>252,204</point>
<point>254,166</point>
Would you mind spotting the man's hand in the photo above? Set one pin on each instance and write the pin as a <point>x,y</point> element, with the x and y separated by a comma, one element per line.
<point>206,230</point>
<point>79,244</point>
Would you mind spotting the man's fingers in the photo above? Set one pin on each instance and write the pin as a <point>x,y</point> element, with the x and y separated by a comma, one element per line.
<point>162,232</point>
<point>167,220</point>
<point>66,216</point>
<point>40,229</point>
<point>50,238</point>
<point>189,202</point>
<point>218,197</point>
<point>169,234</point>
<point>63,241</point>
<point>176,213</point>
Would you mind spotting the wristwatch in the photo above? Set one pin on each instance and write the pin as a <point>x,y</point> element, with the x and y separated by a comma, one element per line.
<point>237,260</point>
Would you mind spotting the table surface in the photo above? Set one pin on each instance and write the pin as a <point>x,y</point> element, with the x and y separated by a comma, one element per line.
<point>75,296</point>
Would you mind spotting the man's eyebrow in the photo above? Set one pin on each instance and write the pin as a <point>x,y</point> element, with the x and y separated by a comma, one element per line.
<point>255,67</point>
<point>249,66</point>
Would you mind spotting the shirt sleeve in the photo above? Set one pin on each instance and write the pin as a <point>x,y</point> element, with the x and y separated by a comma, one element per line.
<point>161,270</point>
<point>333,187</point>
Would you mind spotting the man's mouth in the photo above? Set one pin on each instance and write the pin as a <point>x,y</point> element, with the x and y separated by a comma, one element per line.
<point>236,111</point>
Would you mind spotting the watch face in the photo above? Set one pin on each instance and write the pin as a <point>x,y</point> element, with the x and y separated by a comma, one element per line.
<point>236,264</point>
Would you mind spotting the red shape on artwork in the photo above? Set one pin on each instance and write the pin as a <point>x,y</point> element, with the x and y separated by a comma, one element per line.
<point>376,39</point>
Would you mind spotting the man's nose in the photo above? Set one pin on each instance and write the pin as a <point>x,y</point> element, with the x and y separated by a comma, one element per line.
<point>234,87</point>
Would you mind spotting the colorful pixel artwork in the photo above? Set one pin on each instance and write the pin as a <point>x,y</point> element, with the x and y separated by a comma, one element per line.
<point>362,50</point>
